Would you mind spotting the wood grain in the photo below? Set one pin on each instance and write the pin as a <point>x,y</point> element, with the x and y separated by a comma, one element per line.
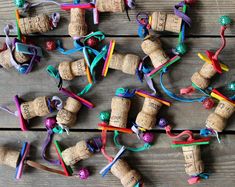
<point>182,115</point>
<point>204,15</point>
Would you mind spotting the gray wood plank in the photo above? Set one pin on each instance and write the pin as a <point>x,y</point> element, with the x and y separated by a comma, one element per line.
<point>183,115</point>
<point>160,166</point>
<point>204,15</point>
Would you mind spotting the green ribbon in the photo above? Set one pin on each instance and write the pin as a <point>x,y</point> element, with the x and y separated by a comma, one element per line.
<point>53,72</point>
<point>138,149</point>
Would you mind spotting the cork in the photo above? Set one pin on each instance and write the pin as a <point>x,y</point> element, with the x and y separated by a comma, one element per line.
<point>76,153</point>
<point>20,57</point>
<point>9,157</point>
<point>119,111</point>
<point>70,70</point>
<point>77,26</point>
<point>110,5</point>
<point>122,170</point>
<point>126,63</point>
<point>5,59</point>
<point>146,118</point>
<point>158,21</point>
<point>193,163</point>
<point>68,115</point>
<point>200,81</point>
<point>217,120</point>
<point>37,24</point>
<point>207,71</point>
<point>153,49</point>
<point>37,107</point>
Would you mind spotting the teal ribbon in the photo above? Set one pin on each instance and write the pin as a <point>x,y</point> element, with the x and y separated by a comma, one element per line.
<point>53,72</point>
<point>138,149</point>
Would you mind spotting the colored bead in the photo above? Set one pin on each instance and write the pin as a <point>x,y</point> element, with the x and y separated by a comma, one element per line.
<point>208,103</point>
<point>83,173</point>
<point>19,3</point>
<point>231,86</point>
<point>104,116</point>
<point>225,20</point>
<point>50,45</point>
<point>50,123</point>
<point>22,69</point>
<point>148,137</point>
<point>92,42</point>
<point>162,123</point>
<point>181,48</point>
<point>190,2</point>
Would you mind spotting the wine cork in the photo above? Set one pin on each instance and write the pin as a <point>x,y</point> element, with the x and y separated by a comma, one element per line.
<point>119,111</point>
<point>146,118</point>
<point>162,21</point>
<point>128,177</point>
<point>68,115</point>
<point>70,70</point>
<point>201,78</point>
<point>217,120</point>
<point>9,157</point>
<point>5,59</point>
<point>110,5</point>
<point>76,153</point>
<point>126,63</point>
<point>37,24</point>
<point>77,26</point>
<point>153,49</point>
<point>37,107</point>
<point>193,163</point>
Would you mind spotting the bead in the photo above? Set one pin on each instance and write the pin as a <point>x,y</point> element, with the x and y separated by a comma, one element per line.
<point>22,69</point>
<point>104,116</point>
<point>225,20</point>
<point>181,48</point>
<point>19,3</point>
<point>208,103</point>
<point>148,137</point>
<point>231,86</point>
<point>83,173</point>
<point>92,42</point>
<point>50,45</point>
<point>50,123</point>
<point>190,2</point>
<point>162,123</point>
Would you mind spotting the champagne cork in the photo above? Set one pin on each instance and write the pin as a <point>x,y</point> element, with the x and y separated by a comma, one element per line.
<point>147,116</point>
<point>126,63</point>
<point>5,59</point>
<point>37,107</point>
<point>76,153</point>
<point>217,120</point>
<point>119,111</point>
<point>193,163</point>
<point>37,24</point>
<point>9,157</point>
<point>162,21</point>
<point>201,78</point>
<point>128,177</point>
<point>70,70</point>
<point>77,26</point>
<point>68,115</point>
<point>110,5</point>
<point>153,49</point>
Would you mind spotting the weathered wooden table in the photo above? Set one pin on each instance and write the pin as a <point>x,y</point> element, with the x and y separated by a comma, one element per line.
<point>161,165</point>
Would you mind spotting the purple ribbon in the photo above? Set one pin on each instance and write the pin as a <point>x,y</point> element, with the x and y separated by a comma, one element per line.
<point>182,15</point>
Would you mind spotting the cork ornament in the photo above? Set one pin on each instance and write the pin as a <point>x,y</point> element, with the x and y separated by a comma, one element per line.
<point>119,167</point>
<point>77,26</point>
<point>216,121</point>
<point>81,151</point>
<point>21,56</point>
<point>39,107</point>
<point>194,166</point>
<point>153,48</point>
<point>127,63</point>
